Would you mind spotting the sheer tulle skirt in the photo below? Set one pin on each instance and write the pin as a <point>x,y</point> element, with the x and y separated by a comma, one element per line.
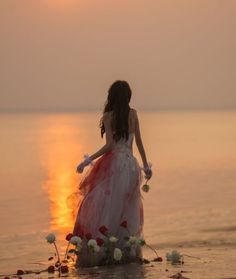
<point>110,195</point>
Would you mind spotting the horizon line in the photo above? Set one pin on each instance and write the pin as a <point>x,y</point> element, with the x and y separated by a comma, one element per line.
<point>81,110</point>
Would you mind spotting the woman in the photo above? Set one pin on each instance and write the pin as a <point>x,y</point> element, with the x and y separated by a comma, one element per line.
<point>110,216</point>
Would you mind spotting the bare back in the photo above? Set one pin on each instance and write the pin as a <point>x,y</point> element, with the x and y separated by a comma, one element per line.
<point>131,119</point>
<point>134,128</point>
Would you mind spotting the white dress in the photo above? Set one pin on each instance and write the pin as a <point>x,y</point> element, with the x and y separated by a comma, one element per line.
<point>111,195</point>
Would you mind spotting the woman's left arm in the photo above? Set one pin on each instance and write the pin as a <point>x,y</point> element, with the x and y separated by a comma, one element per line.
<point>106,148</point>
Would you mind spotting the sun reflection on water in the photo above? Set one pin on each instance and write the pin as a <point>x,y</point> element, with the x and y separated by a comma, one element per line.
<point>60,156</point>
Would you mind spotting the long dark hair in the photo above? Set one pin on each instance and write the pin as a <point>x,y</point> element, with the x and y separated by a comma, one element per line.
<point>119,95</point>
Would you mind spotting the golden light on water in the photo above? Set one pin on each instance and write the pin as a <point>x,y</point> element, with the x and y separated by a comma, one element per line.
<point>60,185</point>
<point>60,156</point>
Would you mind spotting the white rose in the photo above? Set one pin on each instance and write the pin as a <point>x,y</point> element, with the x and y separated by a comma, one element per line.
<point>75,240</point>
<point>96,248</point>
<point>175,256</point>
<point>141,241</point>
<point>79,247</point>
<point>145,188</point>
<point>92,243</point>
<point>51,238</point>
<point>113,239</point>
<point>117,254</point>
<point>127,244</point>
<point>132,239</point>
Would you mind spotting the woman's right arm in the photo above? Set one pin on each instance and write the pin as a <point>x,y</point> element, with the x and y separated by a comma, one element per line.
<point>139,143</point>
<point>104,149</point>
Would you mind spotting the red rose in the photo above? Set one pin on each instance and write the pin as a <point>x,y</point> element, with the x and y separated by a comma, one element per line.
<point>51,269</point>
<point>99,241</point>
<point>20,272</point>
<point>69,236</point>
<point>88,236</point>
<point>81,234</point>
<point>64,269</point>
<point>124,224</point>
<point>103,230</point>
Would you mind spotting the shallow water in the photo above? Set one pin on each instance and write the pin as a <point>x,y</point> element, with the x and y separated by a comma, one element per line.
<point>191,204</point>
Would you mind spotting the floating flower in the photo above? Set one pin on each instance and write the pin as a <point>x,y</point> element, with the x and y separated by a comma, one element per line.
<point>92,243</point>
<point>113,239</point>
<point>51,269</point>
<point>117,254</point>
<point>174,257</point>
<point>93,246</point>
<point>20,272</point>
<point>88,236</point>
<point>96,248</point>
<point>79,247</point>
<point>124,224</point>
<point>103,230</point>
<point>64,269</point>
<point>69,236</point>
<point>51,238</point>
<point>81,233</point>
<point>75,240</point>
<point>99,241</point>
<point>141,241</point>
<point>132,239</point>
<point>127,244</point>
<point>145,188</point>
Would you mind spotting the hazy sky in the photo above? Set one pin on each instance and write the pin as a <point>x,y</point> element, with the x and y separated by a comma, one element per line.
<point>64,54</point>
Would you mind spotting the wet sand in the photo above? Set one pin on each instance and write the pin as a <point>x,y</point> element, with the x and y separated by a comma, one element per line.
<point>213,263</point>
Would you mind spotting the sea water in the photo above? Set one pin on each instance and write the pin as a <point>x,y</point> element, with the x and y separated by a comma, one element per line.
<point>192,197</point>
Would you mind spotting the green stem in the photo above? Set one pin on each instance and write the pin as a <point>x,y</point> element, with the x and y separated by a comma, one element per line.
<point>58,257</point>
<point>128,231</point>
<point>93,258</point>
<point>191,256</point>
<point>67,248</point>
<point>152,249</point>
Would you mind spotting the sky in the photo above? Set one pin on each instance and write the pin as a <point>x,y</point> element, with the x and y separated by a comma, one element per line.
<point>64,54</point>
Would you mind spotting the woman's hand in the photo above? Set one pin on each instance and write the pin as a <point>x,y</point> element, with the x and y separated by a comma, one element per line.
<point>80,167</point>
<point>147,170</point>
<point>87,161</point>
<point>148,173</point>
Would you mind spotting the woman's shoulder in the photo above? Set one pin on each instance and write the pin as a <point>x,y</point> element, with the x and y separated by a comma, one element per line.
<point>133,110</point>
<point>106,115</point>
<point>133,113</point>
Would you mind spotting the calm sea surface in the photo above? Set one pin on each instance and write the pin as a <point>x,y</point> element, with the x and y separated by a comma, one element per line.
<point>192,201</point>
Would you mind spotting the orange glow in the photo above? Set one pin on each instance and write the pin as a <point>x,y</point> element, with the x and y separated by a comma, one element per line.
<point>62,4</point>
<point>60,156</point>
